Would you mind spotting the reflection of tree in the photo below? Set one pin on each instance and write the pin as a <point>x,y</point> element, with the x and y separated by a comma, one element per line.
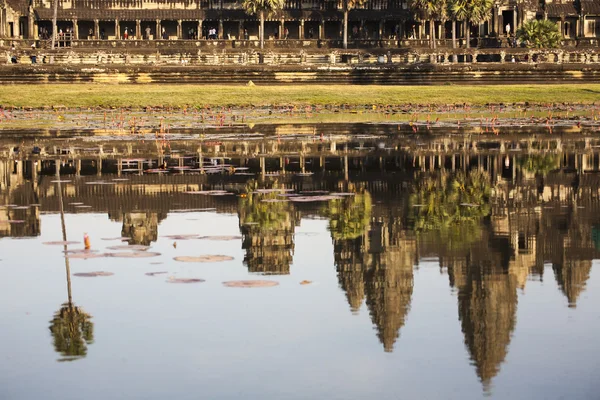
<point>449,209</point>
<point>267,223</point>
<point>72,330</point>
<point>348,217</point>
<point>540,164</point>
<point>441,202</point>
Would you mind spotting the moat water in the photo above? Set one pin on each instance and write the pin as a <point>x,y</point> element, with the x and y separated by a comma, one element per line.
<point>386,266</point>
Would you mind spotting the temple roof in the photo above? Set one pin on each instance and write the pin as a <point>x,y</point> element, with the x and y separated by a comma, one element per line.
<point>590,7</point>
<point>561,10</point>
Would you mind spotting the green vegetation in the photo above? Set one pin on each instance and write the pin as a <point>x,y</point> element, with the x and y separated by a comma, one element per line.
<point>108,95</point>
<point>539,34</point>
<point>72,330</point>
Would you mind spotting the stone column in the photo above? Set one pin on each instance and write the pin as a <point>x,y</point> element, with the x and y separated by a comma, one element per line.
<point>381,29</point>
<point>96,29</point>
<point>31,31</point>
<point>199,29</point>
<point>301,29</point>
<point>75,29</point>
<point>220,36</point>
<point>321,29</point>
<point>514,27</point>
<point>138,29</point>
<point>240,35</point>
<point>496,27</point>
<point>117,30</point>
<point>157,33</point>
<point>281,28</point>
<point>179,33</point>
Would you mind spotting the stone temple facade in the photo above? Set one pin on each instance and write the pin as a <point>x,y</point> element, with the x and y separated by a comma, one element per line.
<point>318,20</point>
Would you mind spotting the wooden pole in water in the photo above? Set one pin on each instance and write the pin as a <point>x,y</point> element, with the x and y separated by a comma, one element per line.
<point>64,231</point>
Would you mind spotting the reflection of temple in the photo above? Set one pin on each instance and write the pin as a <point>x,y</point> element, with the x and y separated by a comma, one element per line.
<point>542,210</point>
<point>268,234</point>
<point>140,227</point>
<point>378,266</point>
<point>487,305</point>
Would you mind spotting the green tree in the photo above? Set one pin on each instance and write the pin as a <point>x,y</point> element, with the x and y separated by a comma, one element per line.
<point>469,11</point>
<point>348,5</point>
<point>72,330</point>
<point>539,34</point>
<point>262,8</point>
<point>429,10</point>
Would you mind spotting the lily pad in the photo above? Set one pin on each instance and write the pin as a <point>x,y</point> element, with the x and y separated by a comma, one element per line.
<point>221,238</point>
<point>155,273</point>
<point>117,238</point>
<point>183,237</point>
<point>250,284</point>
<point>60,243</point>
<point>132,247</point>
<point>93,274</point>
<point>184,280</point>
<point>85,256</point>
<point>204,258</point>
<point>133,254</point>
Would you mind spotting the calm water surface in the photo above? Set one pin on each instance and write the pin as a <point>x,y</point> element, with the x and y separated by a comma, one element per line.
<point>438,267</point>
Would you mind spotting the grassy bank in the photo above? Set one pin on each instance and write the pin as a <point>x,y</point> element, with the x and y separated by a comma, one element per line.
<point>107,95</point>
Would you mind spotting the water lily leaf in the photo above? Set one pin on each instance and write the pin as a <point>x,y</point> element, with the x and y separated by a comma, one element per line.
<point>250,284</point>
<point>184,280</point>
<point>133,254</point>
<point>93,274</point>
<point>204,258</point>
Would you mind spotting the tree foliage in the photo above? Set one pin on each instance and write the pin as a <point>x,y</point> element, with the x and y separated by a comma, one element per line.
<point>72,330</point>
<point>539,34</point>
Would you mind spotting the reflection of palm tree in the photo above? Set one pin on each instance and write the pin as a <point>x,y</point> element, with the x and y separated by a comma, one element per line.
<point>71,327</point>
<point>451,207</point>
<point>267,223</point>
<point>540,164</point>
<point>349,217</point>
<point>72,330</point>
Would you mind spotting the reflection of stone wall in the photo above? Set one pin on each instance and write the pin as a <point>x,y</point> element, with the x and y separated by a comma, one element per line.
<point>142,228</point>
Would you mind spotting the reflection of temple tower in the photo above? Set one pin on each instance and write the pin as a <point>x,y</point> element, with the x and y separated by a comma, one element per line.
<point>141,227</point>
<point>378,266</point>
<point>487,304</point>
<point>268,234</point>
<point>572,277</point>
